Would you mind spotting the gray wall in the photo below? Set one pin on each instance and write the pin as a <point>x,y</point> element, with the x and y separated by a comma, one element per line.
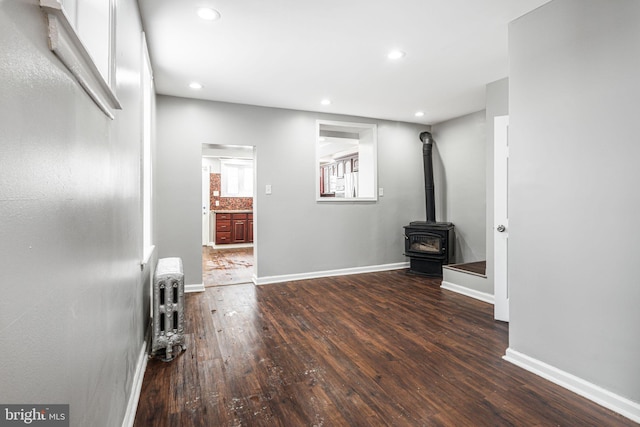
<point>460,182</point>
<point>497,102</point>
<point>74,306</point>
<point>294,233</point>
<point>574,201</point>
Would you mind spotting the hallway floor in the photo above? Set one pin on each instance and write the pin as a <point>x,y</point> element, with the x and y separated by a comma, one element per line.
<point>226,266</point>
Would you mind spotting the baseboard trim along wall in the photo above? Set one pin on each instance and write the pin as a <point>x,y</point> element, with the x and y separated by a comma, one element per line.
<point>482,296</point>
<point>198,287</point>
<point>328,273</point>
<point>619,404</point>
<point>136,388</point>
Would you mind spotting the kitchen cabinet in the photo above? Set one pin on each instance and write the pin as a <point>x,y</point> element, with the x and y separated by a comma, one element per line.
<point>337,177</point>
<point>223,228</point>
<point>239,227</point>
<point>234,227</point>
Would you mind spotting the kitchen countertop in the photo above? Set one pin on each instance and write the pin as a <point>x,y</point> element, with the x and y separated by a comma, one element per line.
<point>233,211</point>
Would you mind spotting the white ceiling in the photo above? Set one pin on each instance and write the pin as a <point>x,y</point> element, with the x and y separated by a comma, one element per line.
<point>293,53</point>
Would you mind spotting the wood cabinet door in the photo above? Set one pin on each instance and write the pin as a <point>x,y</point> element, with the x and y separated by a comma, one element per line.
<point>250,231</point>
<point>239,230</point>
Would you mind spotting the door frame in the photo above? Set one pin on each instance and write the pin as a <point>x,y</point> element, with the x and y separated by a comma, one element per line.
<point>206,190</point>
<point>235,151</point>
<point>501,217</point>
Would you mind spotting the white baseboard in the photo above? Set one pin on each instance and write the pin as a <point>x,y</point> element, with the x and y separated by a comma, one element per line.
<point>329,273</point>
<point>136,387</point>
<point>482,296</point>
<point>231,245</point>
<point>198,287</point>
<point>597,394</point>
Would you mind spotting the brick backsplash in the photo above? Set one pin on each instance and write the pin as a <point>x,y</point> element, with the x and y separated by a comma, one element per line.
<point>227,203</point>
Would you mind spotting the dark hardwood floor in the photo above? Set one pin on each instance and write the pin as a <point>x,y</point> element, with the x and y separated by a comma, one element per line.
<point>378,349</point>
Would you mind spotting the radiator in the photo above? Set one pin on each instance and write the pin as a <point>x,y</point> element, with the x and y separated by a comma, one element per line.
<point>168,309</point>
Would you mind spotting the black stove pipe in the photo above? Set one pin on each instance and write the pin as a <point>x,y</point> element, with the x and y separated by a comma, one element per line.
<point>427,146</point>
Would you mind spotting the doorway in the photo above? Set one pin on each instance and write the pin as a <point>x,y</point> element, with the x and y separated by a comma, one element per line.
<point>228,214</point>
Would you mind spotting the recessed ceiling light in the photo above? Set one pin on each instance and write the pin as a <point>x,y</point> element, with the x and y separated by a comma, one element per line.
<point>325,102</point>
<point>419,113</point>
<point>208,14</point>
<point>396,54</point>
<point>195,85</point>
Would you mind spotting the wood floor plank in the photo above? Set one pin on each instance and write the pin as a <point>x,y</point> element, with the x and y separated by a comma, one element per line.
<point>377,349</point>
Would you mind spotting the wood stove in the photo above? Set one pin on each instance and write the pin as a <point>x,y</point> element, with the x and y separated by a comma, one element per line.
<point>429,244</point>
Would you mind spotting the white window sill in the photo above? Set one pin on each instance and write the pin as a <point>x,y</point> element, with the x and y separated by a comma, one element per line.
<point>67,46</point>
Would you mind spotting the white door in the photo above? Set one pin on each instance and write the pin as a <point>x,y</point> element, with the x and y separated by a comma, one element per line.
<point>205,205</point>
<point>501,217</point>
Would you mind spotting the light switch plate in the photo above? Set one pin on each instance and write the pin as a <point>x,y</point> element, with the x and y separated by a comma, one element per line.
<point>268,189</point>
<point>380,191</point>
